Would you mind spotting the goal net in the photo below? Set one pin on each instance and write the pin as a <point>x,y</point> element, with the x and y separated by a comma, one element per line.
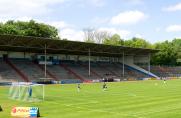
<point>27,92</point>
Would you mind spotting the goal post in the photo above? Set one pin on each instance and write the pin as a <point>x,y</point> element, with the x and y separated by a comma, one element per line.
<point>27,92</point>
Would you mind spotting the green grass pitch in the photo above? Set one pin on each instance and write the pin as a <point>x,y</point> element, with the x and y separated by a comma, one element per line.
<point>138,99</point>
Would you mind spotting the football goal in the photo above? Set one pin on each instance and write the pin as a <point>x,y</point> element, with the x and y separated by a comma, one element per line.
<point>27,92</point>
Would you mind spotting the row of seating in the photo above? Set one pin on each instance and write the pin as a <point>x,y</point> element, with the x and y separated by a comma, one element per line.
<point>7,74</point>
<point>165,71</point>
<point>70,70</point>
<point>29,69</point>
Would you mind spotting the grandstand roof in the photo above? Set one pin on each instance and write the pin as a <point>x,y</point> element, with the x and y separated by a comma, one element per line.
<point>37,45</point>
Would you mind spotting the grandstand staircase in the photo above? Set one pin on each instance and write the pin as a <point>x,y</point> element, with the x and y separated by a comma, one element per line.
<point>21,74</point>
<point>72,72</point>
<point>135,67</point>
<point>48,72</point>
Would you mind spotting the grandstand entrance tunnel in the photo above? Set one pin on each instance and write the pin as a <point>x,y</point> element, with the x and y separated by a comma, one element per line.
<point>32,58</point>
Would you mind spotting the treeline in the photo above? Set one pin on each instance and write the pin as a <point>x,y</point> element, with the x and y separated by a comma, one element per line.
<point>30,28</point>
<point>169,54</point>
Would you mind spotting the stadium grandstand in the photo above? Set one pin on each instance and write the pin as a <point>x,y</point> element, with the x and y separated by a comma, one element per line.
<point>32,59</point>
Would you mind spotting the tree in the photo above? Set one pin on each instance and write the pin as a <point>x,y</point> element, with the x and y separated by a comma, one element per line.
<point>137,43</point>
<point>166,55</point>
<point>114,40</point>
<point>95,35</point>
<point>177,49</point>
<point>30,28</point>
<point>100,36</point>
<point>89,35</point>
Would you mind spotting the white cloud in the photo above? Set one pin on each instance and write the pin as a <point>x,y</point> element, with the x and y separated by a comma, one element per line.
<point>72,34</point>
<point>123,33</point>
<point>60,24</point>
<point>138,36</point>
<point>176,7</point>
<point>67,31</point>
<point>173,28</point>
<point>128,17</point>
<point>95,3</point>
<point>12,9</point>
<point>99,21</point>
<point>134,2</point>
<point>98,3</point>
<point>24,18</point>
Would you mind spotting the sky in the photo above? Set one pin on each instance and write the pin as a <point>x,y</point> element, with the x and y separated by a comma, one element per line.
<point>153,20</point>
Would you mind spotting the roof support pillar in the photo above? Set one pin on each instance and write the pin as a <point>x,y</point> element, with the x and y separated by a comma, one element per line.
<point>89,61</point>
<point>24,55</point>
<point>149,63</point>
<point>45,66</point>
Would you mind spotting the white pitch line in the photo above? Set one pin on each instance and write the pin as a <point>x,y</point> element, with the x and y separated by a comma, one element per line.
<point>91,102</point>
<point>117,113</point>
<point>157,111</point>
